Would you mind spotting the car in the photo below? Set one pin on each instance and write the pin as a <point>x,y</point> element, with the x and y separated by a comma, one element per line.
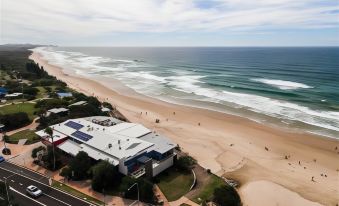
<point>2,159</point>
<point>33,191</point>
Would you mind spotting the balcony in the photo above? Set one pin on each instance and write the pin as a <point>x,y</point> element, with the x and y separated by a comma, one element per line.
<point>138,173</point>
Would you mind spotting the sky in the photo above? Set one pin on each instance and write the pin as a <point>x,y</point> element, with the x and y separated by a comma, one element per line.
<point>170,22</point>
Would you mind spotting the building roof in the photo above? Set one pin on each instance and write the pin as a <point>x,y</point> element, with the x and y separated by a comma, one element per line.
<point>78,103</point>
<point>3,90</point>
<point>64,94</point>
<point>13,94</point>
<point>70,147</point>
<point>105,109</point>
<point>112,142</point>
<point>58,110</point>
<point>161,143</point>
<point>56,135</point>
<point>105,138</point>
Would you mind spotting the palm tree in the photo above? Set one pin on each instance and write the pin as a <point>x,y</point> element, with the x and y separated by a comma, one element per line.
<point>49,131</point>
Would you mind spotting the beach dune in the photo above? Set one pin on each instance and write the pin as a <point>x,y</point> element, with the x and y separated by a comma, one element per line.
<point>302,168</point>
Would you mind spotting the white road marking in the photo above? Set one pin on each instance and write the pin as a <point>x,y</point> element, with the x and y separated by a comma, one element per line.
<point>14,190</point>
<point>57,199</point>
<point>25,176</point>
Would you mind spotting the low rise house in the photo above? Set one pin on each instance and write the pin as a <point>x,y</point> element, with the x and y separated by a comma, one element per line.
<point>64,94</point>
<point>133,148</point>
<point>58,111</point>
<point>78,103</point>
<point>3,91</point>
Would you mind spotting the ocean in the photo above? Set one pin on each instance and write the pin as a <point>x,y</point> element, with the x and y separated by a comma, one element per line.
<point>293,87</point>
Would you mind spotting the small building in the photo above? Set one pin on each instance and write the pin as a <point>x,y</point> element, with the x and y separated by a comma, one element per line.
<point>78,103</point>
<point>105,109</point>
<point>3,91</point>
<point>58,111</point>
<point>131,147</point>
<point>17,94</point>
<point>64,94</point>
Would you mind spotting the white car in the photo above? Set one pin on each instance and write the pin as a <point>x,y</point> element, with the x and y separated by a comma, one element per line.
<point>33,191</point>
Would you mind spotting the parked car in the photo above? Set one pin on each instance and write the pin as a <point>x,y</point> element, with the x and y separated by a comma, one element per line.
<point>33,191</point>
<point>2,159</point>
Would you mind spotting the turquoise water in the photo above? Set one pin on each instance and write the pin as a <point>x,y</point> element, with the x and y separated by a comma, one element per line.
<point>296,87</point>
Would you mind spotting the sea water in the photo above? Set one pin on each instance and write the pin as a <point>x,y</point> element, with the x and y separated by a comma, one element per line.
<point>296,87</point>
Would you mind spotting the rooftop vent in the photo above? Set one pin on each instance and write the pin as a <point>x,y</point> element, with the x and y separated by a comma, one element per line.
<point>109,145</point>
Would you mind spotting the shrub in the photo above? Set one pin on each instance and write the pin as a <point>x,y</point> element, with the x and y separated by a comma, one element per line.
<point>185,163</point>
<point>15,120</point>
<point>66,172</point>
<point>107,105</point>
<point>146,191</point>
<point>80,166</point>
<point>48,159</point>
<point>36,150</point>
<point>104,176</point>
<point>226,196</point>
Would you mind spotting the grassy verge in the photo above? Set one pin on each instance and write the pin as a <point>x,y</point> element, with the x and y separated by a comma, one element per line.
<point>174,184</point>
<point>25,134</point>
<point>207,192</point>
<point>42,92</point>
<point>75,192</point>
<point>21,107</point>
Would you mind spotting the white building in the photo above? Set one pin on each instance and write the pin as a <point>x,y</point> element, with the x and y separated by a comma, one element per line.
<point>134,149</point>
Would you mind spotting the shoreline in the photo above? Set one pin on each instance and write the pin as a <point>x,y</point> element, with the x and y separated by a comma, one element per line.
<point>229,145</point>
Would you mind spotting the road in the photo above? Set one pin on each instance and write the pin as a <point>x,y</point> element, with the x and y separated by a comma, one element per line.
<point>19,179</point>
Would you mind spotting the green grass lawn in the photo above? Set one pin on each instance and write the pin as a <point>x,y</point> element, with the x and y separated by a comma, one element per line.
<point>42,92</point>
<point>21,107</point>
<point>207,192</point>
<point>175,184</point>
<point>75,192</point>
<point>25,134</point>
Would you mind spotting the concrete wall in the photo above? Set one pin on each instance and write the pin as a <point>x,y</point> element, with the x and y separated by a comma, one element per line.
<point>163,165</point>
<point>122,168</point>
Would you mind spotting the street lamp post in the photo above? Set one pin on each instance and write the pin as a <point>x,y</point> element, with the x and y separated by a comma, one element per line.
<point>137,190</point>
<point>9,203</point>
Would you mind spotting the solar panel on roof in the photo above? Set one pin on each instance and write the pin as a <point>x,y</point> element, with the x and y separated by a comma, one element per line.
<point>74,125</point>
<point>83,136</point>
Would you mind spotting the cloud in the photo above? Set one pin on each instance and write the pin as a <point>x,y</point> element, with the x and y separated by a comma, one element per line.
<point>40,19</point>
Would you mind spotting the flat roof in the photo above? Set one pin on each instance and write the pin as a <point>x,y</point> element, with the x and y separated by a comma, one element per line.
<point>161,143</point>
<point>120,140</point>
<point>78,103</point>
<point>105,138</point>
<point>58,110</point>
<point>64,94</point>
<point>56,135</point>
<point>70,147</point>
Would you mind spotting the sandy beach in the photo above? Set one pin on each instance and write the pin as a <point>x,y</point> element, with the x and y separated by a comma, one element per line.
<point>274,166</point>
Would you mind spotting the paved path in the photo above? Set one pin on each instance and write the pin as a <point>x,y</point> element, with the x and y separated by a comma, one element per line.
<point>19,178</point>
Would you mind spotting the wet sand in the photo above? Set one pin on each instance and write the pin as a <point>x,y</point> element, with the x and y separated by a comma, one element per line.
<point>232,146</point>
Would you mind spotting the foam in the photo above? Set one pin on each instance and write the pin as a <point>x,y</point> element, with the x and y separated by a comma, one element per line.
<point>264,105</point>
<point>184,82</point>
<point>282,84</point>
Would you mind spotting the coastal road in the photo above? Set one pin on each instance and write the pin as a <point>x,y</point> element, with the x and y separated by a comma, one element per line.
<point>18,179</point>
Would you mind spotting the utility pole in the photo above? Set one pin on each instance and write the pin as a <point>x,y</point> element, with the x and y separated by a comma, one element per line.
<point>9,203</point>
